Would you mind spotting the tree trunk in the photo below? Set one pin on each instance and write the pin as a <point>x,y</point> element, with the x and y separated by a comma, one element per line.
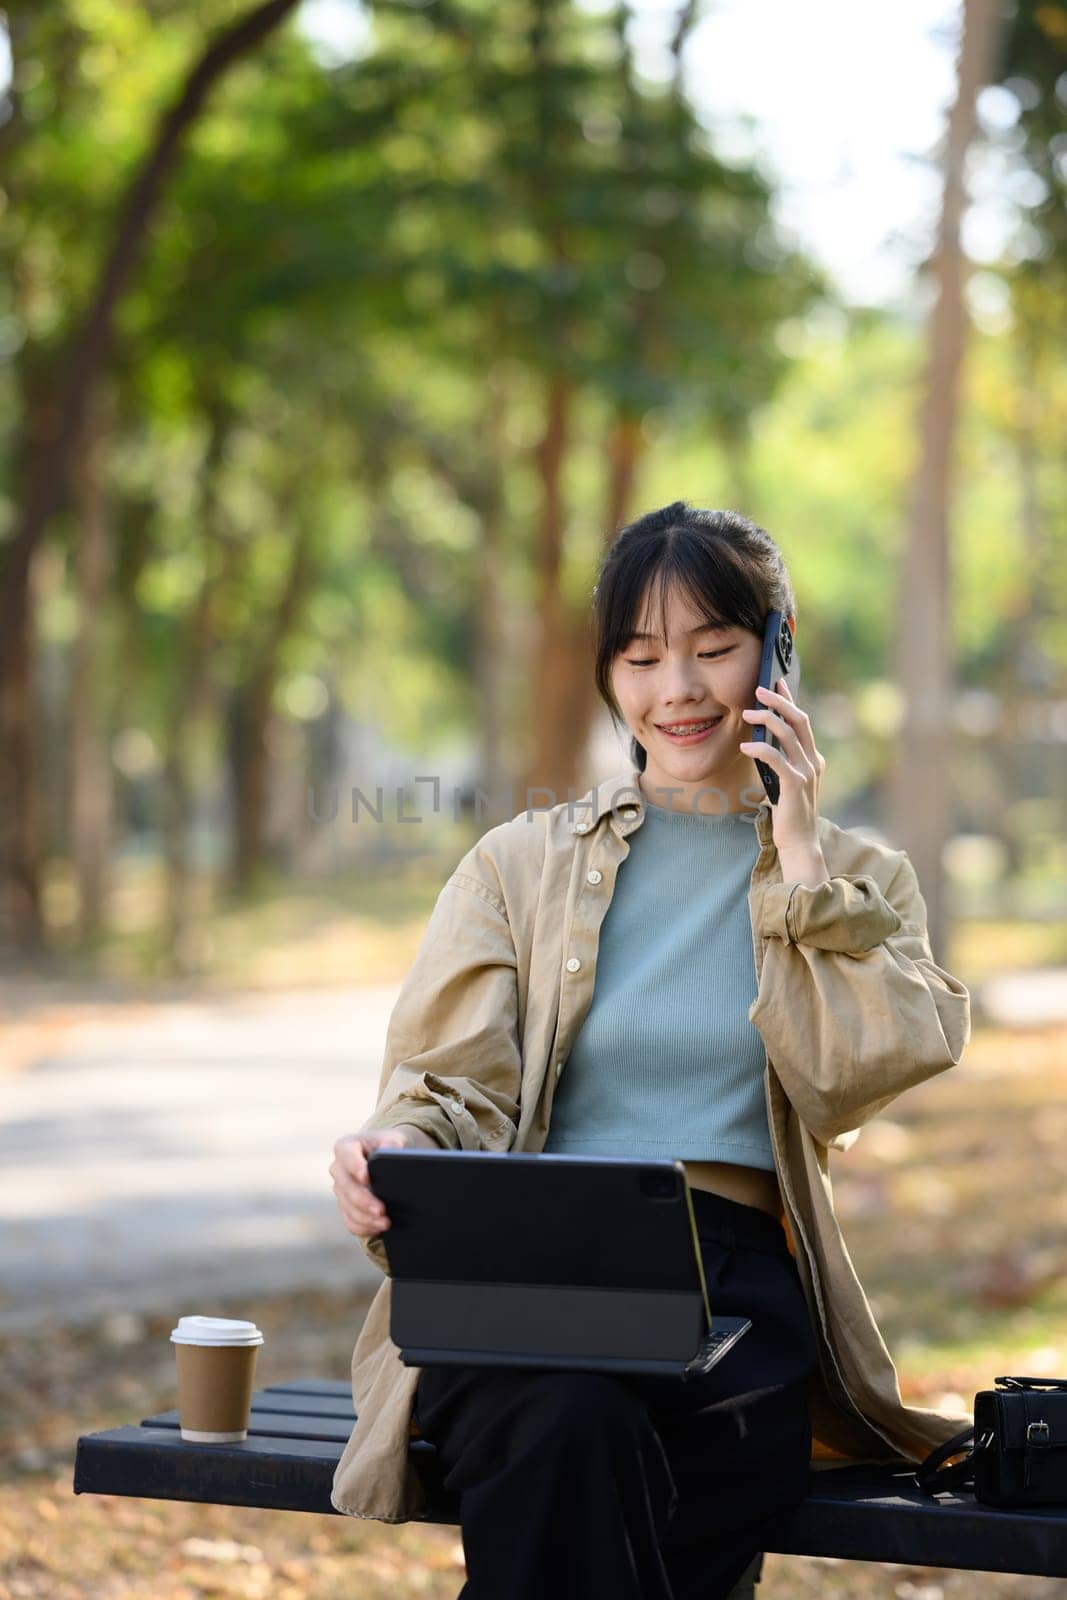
<point>250,714</point>
<point>22,924</point>
<point>90,788</point>
<point>1023,669</point>
<point>190,692</point>
<point>549,770</point>
<point>920,810</point>
<point>53,450</point>
<point>491,656</point>
<point>624,448</point>
<point>566,691</point>
<point>21,823</point>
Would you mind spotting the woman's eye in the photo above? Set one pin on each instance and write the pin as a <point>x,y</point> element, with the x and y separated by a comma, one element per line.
<point>705,655</point>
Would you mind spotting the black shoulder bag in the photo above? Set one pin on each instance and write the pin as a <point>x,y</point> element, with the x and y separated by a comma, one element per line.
<point>1018,1447</point>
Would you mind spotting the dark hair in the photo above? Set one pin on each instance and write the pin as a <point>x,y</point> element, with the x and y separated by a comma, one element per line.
<point>730,568</point>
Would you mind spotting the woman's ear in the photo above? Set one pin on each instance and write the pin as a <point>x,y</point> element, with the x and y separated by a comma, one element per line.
<point>792,621</point>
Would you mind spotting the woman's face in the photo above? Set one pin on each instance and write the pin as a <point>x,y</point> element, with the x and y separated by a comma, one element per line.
<point>707,674</point>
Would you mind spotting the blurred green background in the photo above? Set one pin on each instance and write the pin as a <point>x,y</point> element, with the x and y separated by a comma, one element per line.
<point>338,340</point>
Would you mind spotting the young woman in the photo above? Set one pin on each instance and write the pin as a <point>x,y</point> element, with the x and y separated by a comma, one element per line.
<point>670,968</point>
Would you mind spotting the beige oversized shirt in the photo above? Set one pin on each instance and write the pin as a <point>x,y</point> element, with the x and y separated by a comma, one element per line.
<point>850,1006</point>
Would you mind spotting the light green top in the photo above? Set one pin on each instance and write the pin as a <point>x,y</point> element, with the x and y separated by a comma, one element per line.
<point>666,1063</point>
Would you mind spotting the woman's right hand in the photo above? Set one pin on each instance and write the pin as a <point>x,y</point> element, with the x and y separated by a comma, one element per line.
<point>362,1211</point>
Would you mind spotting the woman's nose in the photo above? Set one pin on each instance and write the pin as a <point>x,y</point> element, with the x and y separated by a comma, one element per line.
<point>682,682</point>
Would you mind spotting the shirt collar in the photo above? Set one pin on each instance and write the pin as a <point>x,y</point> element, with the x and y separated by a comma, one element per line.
<point>619,798</point>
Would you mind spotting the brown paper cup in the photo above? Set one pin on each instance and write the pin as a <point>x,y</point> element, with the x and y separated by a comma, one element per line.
<point>215,1375</point>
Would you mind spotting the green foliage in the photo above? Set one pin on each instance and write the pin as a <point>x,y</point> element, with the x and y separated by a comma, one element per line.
<point>359,286</point>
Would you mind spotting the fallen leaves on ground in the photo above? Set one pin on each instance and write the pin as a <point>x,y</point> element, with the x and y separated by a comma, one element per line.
<point>954,1213</point>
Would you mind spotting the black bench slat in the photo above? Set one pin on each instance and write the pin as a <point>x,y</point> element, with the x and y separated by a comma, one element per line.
<point>279,1474</point>
<point>276,1424</point>
<point>861,1514</point>
<point>335,1387</point>
<point>305,1405</point>
<point>157,1464</point>
<point>858,1513</point>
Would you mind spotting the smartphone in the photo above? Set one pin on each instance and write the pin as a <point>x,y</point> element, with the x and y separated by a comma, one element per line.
<point>778,660</point>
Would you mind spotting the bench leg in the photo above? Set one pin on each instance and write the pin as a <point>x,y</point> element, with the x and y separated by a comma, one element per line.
<point>745,1587</point>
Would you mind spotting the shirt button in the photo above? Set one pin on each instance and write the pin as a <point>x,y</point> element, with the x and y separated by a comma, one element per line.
<point>573,965</point>
<point>559,1068</point>
<point>457,1106</point>
<point>594,876</point>
<point>629,811</point>
<point>581,827</point>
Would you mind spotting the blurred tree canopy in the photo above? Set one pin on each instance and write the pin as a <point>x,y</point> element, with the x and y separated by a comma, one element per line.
<point>371,368</point>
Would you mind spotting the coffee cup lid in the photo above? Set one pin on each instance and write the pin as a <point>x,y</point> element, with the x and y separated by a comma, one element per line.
<point>215,1331</point>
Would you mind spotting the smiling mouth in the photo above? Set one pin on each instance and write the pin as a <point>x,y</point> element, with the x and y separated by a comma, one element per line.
<point>693,735</point>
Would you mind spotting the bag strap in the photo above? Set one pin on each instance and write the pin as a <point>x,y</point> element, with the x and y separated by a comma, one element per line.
<point>1055,1384</point>
<point>931,1481</point>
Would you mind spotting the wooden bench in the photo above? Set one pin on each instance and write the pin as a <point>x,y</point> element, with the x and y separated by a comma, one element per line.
<point>297,1432</point>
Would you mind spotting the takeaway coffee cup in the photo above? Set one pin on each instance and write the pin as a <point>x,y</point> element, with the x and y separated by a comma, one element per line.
<point>216,1361</point>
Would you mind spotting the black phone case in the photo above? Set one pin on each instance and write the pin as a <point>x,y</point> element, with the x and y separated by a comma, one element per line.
<point>778,660</point>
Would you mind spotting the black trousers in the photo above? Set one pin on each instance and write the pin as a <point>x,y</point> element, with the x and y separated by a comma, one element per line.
<point>575,1484</point>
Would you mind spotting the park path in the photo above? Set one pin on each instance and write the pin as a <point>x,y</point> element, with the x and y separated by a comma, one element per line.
<point>183,1152</point>
<point>157,1155</point>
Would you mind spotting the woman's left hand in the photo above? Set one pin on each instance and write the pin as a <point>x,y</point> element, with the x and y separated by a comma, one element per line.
<point>795,818</point>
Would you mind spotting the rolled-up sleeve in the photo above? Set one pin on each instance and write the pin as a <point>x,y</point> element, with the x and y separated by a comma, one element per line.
<point>851,1005</point>
<point>453,1063</point>
<point>847,913</point>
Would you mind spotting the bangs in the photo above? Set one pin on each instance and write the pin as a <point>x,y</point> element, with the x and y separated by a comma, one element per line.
<point>707,573</point>
<point>701,595</point>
